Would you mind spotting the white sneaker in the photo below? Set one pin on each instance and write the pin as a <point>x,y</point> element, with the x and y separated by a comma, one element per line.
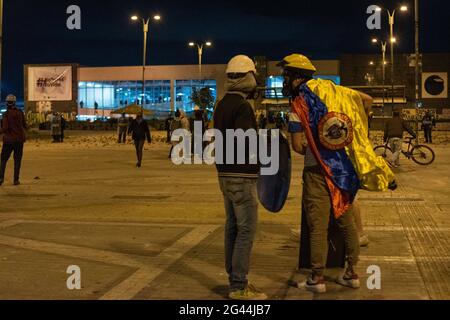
<point>349,281</point>
<point>317,286</point>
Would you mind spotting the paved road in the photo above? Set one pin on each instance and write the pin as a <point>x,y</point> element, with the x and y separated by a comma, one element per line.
<point>157,232</point>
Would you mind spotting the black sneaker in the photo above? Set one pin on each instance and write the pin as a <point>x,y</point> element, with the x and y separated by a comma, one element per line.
<point>17,183</point>
<point>1,182</point>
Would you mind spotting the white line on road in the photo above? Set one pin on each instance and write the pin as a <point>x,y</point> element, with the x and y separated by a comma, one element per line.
<point>140,279</point>
<point>71,251</point>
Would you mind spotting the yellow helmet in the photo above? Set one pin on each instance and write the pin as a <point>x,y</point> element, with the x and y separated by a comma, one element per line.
<point>298,63</point>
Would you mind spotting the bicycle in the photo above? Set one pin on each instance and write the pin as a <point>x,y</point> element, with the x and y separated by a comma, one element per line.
<point>419,153</point>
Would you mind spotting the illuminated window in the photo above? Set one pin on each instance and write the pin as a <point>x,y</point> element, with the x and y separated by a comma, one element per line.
<point>116,94</point>
<point>275,84</point>
<point>184,90</point>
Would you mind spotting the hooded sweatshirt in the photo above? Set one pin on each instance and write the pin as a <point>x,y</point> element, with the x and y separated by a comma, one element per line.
<point>235,112</point>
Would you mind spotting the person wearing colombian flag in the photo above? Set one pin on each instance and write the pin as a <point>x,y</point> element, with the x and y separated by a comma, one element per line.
<point>329,126</point>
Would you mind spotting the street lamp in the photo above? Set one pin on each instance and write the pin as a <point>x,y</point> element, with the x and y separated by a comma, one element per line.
<point>417,59</point>
<point>200,53</point>
<point>145,24</point>
<point>383,63</point>
<point>392,41</point>
<point>1,44</point>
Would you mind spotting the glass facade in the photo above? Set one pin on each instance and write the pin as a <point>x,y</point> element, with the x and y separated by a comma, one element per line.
<point>116,94</point>
<point>184,90</point>
<point>276,84</point>
<point>110,95</point>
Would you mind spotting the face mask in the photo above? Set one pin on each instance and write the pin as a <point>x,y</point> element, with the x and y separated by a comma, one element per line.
<point>287,87</point>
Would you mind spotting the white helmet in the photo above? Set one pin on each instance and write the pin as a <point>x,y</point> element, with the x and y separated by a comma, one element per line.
<point>11,98</point>
<point>241,64</point>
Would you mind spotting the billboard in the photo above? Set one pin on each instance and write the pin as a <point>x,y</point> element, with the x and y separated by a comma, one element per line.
<point>50,83</point>
<point>434,85</point>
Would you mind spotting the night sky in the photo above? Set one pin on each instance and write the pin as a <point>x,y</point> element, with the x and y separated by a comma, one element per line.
<point>35,31</point>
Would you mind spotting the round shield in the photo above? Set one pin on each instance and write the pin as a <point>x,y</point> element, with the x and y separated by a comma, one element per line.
<point>273,189</point>
<point>335,131</point>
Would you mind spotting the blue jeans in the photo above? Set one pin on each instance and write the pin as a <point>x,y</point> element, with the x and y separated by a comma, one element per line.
<point>241,206</point>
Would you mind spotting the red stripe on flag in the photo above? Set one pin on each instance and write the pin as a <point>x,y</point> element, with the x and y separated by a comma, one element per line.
<point>340,199</point>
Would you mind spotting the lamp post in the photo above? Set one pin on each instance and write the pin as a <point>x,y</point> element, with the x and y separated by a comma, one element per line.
<point>145,25</point>
<point>383,52</point>
<point>1,45</point>
<point>393,40</point>
<point>417,54</point>
<point>200,53</point>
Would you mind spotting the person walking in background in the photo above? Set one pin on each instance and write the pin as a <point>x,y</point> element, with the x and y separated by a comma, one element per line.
<point>122,128</point>
<point>393,134</point>
<point>428,122</point>
<point>167,124</point>
<point>271,123</point>
<point>56,127</point>
<point>262,121</point>
<point>63,127</point>
<point>175,124</point>
<point>13,129</point>
<point>198,117</point>
<point>279,121</point>
<point>140,132</point>
<point>184,121</point>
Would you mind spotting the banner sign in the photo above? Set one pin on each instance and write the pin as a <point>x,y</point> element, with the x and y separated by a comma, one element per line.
<point>50,83</point>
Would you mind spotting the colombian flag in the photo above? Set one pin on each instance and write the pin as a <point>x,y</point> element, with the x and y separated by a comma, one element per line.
<point>350,169</point>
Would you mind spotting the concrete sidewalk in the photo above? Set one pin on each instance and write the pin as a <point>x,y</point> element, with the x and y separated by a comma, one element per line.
<point>157,232</point>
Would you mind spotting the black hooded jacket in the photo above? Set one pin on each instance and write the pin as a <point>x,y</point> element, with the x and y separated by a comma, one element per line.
<point>235,112</point>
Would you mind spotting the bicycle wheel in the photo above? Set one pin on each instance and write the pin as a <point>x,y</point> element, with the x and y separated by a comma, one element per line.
<point>422,155</point>
<point>384,152</point>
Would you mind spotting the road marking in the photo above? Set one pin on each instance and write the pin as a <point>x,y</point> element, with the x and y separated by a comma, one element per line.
<point>103,256</point>
<point>130,287</point>
<point>400,228</point>
<point>10,223</point>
